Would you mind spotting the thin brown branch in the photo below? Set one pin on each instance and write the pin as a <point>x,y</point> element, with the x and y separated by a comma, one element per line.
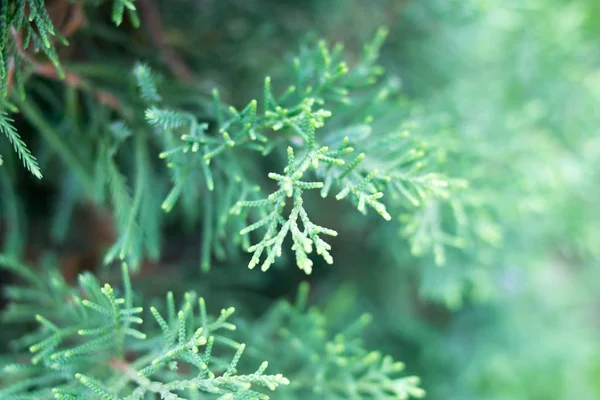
<point>71,79</point>
<point>75,20</point>
<point>66,16</point>
<point>155,29</point>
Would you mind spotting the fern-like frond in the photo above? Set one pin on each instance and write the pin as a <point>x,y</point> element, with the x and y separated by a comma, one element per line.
<point>29,161</point>
<point>291,186</point>
<point>316,351</point>
<point>197,149</point>
<point>89,339</point>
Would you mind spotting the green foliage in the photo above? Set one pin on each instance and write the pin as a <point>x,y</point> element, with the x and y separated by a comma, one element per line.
<point>90,338</point>
<point>328,364</point>
<point>291,187</point>
<point>465,136</point>
<point>322,79</point>
<point>93,340</point>
<point>20,147</point>
<point>122,6</point>
<point>26,26</point>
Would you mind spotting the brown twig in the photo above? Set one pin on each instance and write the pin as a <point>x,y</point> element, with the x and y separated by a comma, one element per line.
<point>69,17</point>
<point>72,20</point>
<point>156,31</point>
<point>71,79</point>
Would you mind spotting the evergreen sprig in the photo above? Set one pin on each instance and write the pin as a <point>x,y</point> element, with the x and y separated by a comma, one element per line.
<point>330,364</point>
<point>88,334</point>
<point>291,186</point>
<point>26,28</point>
<point>19,145</point>
<point>204,149</point>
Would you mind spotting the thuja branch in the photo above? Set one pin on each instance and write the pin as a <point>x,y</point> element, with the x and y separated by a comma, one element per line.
<point>88,332</point>
<point>293,118</point>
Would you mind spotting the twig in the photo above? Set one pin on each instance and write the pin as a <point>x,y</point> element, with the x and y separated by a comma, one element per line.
<point>71,79</point>
<point>156,31</point>
<point>71,17</point>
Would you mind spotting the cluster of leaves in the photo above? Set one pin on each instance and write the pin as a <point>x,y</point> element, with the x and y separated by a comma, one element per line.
<point>326,117</point>
<point>86,334</point>
<point>326,363</point>
<point>299,120</point>
<point>86,346</point>
<point>207,158</point>
<point>292,118</point>
<point>409,161</point>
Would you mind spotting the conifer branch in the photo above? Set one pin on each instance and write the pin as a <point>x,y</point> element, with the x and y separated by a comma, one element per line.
<point>20,147</point>
<point>291,186</point>
<point>89,338</point>
<point>295,117</point>
<point>317,350</point>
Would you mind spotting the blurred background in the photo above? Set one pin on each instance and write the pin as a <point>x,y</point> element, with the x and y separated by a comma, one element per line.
<point>504,94</point>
